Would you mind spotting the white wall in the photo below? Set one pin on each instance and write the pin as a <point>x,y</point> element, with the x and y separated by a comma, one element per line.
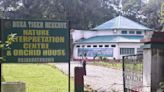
<point>88,34</point>
<point>78,34</point>
<point>128,45</point>
<point>104,32</point>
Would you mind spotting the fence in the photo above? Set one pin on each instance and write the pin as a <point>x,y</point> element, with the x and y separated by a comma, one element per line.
<point>133,73</point>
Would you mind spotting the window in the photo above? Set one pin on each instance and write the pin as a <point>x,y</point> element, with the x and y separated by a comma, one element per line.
<point>94,45</point>
<point>100,45</point>
<point>131,32</point>
<point>124,32</point>
<point>78,46</point>
<point>127,51</point>
<point>138,32</point>
<point>139,50</point>
<point>114,31</point>
<point>113,45</point>
<point>106,45</point>
<point>88,45</point>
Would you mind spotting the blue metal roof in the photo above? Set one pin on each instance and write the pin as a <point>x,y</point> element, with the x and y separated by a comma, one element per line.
<point>121,22</point>
<point>111,38</point>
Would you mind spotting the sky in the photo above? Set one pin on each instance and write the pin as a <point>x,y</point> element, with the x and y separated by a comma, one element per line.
<point>145,1</point>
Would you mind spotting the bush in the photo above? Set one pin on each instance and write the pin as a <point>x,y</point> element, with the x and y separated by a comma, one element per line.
<point>105,59</point>
<point>101,58</point>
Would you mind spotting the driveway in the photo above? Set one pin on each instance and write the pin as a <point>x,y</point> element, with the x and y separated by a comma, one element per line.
<point>100,79</point>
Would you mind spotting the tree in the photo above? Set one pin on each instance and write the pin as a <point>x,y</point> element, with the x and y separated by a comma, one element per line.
<point>83,14</point>
<point>152,13</point>
<point>6,45</point>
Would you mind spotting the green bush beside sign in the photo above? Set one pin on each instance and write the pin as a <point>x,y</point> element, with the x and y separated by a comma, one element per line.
<point>36,41</point>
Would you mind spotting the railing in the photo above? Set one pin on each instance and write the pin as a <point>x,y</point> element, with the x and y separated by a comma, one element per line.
<point>133,73</point>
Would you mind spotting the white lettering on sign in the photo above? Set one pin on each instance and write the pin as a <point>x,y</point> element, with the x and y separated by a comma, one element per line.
<point>35,24</point>
<point>19,24</point>
<point>55,25</point>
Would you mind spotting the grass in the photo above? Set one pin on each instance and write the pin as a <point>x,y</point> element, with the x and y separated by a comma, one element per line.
<point>38,77</point>
<point>134,67</point>
<point>118,65</point>
<point>114,65</point>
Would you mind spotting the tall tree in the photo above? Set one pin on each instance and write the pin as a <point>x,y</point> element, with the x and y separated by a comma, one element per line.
<point>83,14</point>
<point>152,13</point>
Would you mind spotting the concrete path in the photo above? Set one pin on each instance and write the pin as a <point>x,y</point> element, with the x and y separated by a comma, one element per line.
<point>99,78</point>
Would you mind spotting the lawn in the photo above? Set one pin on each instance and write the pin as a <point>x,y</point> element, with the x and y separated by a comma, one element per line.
<point>118,65</point>
<point>38,77</point>
<point>115,65</point>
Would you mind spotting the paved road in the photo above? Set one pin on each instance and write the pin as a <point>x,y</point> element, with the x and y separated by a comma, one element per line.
<point>99,78</point>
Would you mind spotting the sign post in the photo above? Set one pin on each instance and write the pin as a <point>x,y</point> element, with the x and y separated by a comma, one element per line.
<point>36,41</point>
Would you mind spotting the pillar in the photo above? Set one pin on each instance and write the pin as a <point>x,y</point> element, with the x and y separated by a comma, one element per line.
<point>153,61</point>
<point>79,80</point>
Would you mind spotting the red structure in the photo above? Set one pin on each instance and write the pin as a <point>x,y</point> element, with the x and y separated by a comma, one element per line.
<point>79,80</point>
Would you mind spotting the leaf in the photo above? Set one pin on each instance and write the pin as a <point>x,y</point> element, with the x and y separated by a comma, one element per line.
<point>1,46</point>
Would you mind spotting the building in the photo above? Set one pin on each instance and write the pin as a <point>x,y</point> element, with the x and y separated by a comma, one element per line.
<point>113,39</point>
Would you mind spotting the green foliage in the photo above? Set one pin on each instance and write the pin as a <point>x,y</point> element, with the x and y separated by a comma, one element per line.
<point>105,59</point>
<point>37,77</point>
<point>131,5</point>
<point>152,12</point>
<point>100,58</point>
<point>161,84</point>
<point>109,64</point>
<point>10,40</point>
<point>83,14</point>
<point>1,45</point>
<point>2,79</point>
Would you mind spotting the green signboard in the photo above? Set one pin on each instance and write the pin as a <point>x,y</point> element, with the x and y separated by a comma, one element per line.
<point>36,41</point>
